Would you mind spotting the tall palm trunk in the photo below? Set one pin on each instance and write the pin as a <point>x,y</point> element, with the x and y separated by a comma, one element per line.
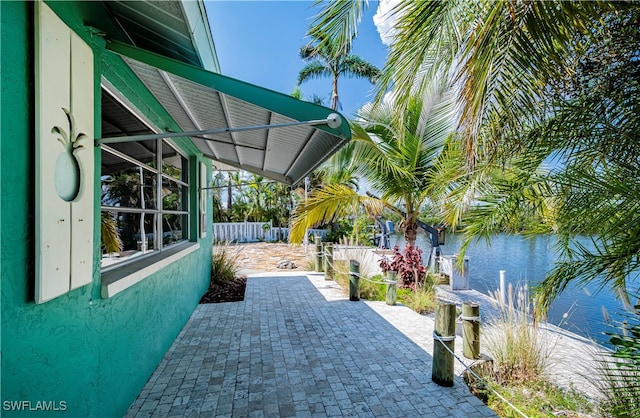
<point>334,94</point>
<point>409,228</point>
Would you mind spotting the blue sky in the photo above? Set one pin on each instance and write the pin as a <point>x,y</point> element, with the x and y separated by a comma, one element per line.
<point>258,42</point>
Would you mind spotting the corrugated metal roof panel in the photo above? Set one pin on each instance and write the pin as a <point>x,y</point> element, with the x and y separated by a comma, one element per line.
<point>200,100</point>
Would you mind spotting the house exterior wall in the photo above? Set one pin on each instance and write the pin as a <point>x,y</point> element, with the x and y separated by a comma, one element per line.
<point>78,352</point>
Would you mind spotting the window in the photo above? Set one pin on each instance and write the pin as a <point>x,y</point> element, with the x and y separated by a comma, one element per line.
<point>144,199</point>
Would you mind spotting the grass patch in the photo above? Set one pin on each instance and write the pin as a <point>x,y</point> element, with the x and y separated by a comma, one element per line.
<point>372,289</point>
<point>423,300</point>
<point>538,399</point>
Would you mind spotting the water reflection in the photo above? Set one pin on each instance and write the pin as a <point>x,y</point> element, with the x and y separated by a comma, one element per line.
<point>526,260</point>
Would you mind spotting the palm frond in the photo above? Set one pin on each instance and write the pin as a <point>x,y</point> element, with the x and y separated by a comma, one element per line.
<point>356,66</point>
<point>313,70</point>
<point>109,236</point>
<point>338,20</point>
<point>327,204</point>
<point>503,54</point>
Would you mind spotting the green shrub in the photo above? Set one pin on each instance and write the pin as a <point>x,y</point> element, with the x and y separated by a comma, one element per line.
<point>421,300</point>
<point>224,265</point>
<point>618,372</point>
<point>372,289</point>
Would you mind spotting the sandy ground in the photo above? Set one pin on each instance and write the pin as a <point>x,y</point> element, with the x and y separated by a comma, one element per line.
<point>264,257</point>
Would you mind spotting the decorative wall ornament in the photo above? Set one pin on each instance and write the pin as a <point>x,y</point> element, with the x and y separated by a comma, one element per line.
<point>67,172</point>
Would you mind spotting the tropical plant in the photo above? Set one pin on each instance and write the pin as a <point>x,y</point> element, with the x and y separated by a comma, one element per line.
<point>618,372</point>
<point>325,59</point>
<point>539,82</point>
<point>520,352</point>
<point>253,198</point>
<point>109,235</point>
<point>498,52</point>
<point>408,265</point>
<point>395,157</point>
<point>224,264</point>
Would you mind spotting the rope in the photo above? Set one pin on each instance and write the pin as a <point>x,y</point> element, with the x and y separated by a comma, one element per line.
<point>357,274</point>
<point>442,340</point>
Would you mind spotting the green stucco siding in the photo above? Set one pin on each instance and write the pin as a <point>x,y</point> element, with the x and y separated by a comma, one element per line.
<point>92,354</point>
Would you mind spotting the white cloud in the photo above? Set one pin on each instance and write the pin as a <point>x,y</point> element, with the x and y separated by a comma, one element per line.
<point>385,21</point>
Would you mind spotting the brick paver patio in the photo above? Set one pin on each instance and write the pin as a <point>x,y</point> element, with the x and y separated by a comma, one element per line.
<point>297,347</point>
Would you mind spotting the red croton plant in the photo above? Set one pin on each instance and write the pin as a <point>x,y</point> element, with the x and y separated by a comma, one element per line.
<point>411,271</point>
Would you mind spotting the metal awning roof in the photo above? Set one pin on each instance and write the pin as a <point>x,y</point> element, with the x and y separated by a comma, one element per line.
<point>177,29</point>
<point>199,100</point>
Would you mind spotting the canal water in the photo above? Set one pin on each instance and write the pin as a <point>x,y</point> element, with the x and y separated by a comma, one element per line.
<point>526,260</point>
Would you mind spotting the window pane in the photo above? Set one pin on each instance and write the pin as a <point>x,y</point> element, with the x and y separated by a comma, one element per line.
<point>173,164</point>
<point>174,227</point>
<point>121,185</point>
<point>134,231</point>
<point>174,195</point>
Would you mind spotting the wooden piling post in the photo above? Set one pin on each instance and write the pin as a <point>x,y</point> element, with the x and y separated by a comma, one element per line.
<point>354,280</point>
<point>318,242</point>
<point>392,282</point>
<point>328,261</point>
<point>470,330</point>
<point>444,337</point>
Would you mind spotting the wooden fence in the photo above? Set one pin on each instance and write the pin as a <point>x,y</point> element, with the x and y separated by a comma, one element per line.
<point>254,232</point>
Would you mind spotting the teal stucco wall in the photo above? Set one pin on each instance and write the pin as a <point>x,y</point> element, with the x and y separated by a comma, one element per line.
<point>88,355</point>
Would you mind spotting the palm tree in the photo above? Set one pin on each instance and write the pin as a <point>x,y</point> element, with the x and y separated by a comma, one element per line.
<point>325,59</point>
<point>511,61</point>
<point>397,158</point>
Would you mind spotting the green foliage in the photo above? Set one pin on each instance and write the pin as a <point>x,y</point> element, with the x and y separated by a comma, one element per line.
<point>343,227</point>
<point>252,198</point>
<point>362,232</point>
<point>422,300</point>
<point>397,158</point>
<point>224,265</point>
<point>371,290</point>
<point>538,399</point>
<point>618,373</point>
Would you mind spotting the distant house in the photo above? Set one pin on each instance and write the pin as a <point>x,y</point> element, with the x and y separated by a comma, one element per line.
<point>113,115</point>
